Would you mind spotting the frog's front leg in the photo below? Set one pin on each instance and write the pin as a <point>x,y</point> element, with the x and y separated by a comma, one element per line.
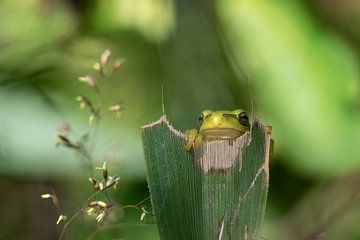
<point>191,136</point>
<point>194,139</point>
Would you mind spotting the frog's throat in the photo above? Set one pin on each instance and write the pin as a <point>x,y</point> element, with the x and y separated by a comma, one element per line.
<point>220,133</point>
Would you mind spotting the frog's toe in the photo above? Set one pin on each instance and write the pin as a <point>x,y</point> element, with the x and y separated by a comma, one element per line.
<point>191,135</point>
<point>198,141</point>
<point>188,146</point>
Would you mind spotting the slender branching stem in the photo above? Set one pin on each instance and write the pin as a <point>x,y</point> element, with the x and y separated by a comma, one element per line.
<point>68,222</point>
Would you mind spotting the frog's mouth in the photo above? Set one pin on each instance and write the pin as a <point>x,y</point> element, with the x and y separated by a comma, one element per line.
<point>220,133</point>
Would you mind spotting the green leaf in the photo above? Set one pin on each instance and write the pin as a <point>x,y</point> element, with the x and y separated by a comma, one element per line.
<point>216,192</point>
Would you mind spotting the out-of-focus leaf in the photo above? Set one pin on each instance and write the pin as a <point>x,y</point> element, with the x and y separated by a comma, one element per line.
<point>152,18</point>
<point>305,81</point>
<point>331,210</point>
<point>30,33</point>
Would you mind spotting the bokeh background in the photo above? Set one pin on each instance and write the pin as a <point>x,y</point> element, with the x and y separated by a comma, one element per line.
<point>294,62</point>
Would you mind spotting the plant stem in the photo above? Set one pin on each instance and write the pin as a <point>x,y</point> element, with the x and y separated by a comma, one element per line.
<point>67,223</point>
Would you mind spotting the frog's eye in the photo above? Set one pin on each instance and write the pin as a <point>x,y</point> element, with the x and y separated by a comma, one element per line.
<point>201,118</point>
<point>243,119</point>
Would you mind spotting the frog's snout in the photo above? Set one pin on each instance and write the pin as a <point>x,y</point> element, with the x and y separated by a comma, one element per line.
<point>218,120</point>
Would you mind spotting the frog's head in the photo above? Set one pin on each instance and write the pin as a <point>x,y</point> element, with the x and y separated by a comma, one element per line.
<point>223,124</point>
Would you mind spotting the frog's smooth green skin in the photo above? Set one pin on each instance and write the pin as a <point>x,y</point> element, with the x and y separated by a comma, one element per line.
<point>216,125</point>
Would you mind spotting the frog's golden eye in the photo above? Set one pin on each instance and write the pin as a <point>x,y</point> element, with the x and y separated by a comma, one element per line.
<point>243,119</point>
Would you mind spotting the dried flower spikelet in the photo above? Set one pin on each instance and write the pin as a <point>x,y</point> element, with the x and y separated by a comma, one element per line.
<point>105,57</point>
<point>90,211</point>
<point>118,63</point>
<point>89,80</point>
<point>112,182</point>
<point>92,118</point>
<point>142,208</point>
<point>117,109</point>
<point>53,197</point>
<point>102,204</point>
<point>104,166</point>
<point>142,217</point>
<point>97,66</point>
<point>105,172</point>
<point>144,212</point>
<point>61,218</point>
<point>46,195</point>
<point>96,206</point>
<point>85,79</point>
<point>65,141</point>
<point>62,140</point>
<point>84,101</point>
<point>99,204</point>
<point>100,216</point>
<point>94,183</point>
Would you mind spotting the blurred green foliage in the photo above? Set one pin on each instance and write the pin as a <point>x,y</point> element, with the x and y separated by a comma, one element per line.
<point>305,78</point>
<point>296,60</point>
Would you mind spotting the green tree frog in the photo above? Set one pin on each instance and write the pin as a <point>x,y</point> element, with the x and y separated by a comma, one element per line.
<point>216,125</point>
